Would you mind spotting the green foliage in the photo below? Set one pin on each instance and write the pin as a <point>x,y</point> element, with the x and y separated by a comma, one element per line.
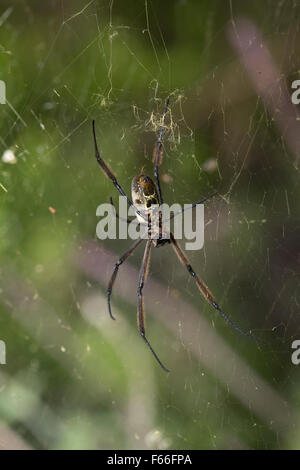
<point>73,379</point>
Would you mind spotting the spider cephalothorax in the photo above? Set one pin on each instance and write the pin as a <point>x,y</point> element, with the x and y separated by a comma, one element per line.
<point>146,198</point>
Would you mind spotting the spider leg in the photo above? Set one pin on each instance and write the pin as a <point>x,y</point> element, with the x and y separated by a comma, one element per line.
<point>201,201</point>
<point>141,309</point>
<point>115,272</point>
<point>205,291</point>
<point>111,175</point>
<point>158,151</point>
<point>128,221</point>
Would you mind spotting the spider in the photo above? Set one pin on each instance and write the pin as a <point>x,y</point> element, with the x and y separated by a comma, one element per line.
<point>145,196</point>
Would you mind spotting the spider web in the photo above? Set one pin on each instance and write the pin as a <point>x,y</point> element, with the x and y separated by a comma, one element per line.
<point>73,378</point>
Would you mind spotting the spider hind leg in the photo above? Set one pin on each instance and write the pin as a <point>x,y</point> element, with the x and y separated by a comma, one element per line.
<point>115,272</point>
<point>142,333</point>
<point>206,292</point>
<point>141,308</point>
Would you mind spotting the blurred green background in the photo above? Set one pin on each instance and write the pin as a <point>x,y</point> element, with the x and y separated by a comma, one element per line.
<point>73,378</point>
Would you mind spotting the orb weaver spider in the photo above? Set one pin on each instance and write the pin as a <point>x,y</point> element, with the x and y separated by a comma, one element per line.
<point>145,196</point>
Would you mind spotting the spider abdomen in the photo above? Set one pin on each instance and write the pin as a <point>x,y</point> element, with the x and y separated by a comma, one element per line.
<point>145,198</point>
<point>143,191</point>
<point>144,195</point>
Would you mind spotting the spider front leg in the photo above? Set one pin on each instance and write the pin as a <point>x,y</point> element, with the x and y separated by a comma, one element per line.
<point>107,171</point>
<point>194,204</point>
<point>127,221</point>
<point>141,308</point>
<point>205,291</point>
<point>116,269</point>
